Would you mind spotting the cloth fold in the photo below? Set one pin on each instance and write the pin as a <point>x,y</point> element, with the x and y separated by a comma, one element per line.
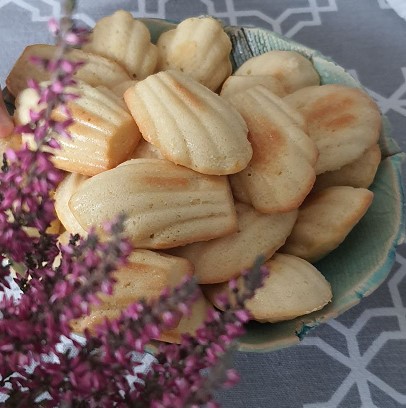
<point>399,6</point>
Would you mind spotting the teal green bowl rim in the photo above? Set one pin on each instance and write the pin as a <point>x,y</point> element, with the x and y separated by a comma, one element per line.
<point>298,328</point>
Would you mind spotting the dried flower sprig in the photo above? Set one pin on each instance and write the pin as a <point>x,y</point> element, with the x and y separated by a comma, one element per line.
<point>61,283</point>
<point>176,379</point>
<point>31,328</point>
<point>28,175</point>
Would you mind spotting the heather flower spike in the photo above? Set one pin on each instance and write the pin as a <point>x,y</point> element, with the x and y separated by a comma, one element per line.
<point>61,283</point>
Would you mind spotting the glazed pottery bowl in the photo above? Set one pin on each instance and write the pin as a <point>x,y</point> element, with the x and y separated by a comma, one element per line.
<point>363,261</point>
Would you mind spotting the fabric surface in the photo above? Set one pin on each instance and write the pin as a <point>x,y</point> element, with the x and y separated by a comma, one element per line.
<point>358,359</point>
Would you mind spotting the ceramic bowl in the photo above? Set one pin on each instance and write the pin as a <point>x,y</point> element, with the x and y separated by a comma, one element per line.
<point>365,258</point>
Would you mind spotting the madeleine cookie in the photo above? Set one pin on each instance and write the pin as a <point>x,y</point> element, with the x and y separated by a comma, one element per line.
<point>325,219</point>
<point>120,88</point>
<point>344,122</point>
<point>165,205</point>
<point>121,38</point>
<point>96,70</point>
<point>188,324</point>
<point>281,172</point>
<point>146,275</point>
<point>291,69</point>
<point>146,150</point>
<point>360,173</point>
<point>12,142</point>
<point>238,83</point>
<point>293,288</point>
<point>222,259</point>
<point>63,194</point>
<point>200,48</point>
<point>190,125</point>
<point>103,134</point>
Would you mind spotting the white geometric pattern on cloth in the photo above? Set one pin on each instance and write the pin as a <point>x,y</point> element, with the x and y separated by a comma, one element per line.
<point>359,374</point>
<point>309,14</point>
<point>383,4</point>
<point>233,14</point>
<point>396,101</point>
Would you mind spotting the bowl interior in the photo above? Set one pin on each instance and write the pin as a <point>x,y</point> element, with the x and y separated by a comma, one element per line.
<point>365,258</point>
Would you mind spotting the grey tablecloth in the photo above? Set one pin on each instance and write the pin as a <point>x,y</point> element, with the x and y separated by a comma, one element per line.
<point>359,359</point>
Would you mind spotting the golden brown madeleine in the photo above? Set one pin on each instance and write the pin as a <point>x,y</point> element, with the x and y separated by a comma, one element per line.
<point>281,172</point>
<point>188,324</point>
<point>121,38</point>
<point>191,125</point>
<point>120,88</point>
<point>12,142</point>
<point>237,83</point>
<point>359,173</point>
<point>146,150</point>
<point>63,193</point>
<point>96,71</point>
<point>222,259</point>
<point>325,219</point>
<point>344,122</point>
<point>166,205</point>
<point>291,69</point>
<point>293,288</point>
<point>103,134</point>
<point>199,47</point>
<point>145,276</point>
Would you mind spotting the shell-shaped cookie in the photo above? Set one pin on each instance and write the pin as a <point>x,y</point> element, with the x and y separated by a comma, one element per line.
<point>325,219</point>
<point>281,172</point>
<point>191,125</point>
<point>146,275</point>
<point>146,150</point>
<point>186,325</point>
<point>359,173</point>
<point>189,324</point>
<point>258,234</point>
<point>237,83</point>
<point>199,47</point>
<point>291,69</point>
<point>103,134</point>
<point>165,205</point>
<point>126,41</point>
<point>342,121</point>
<point>293,288</point>
<point>96,70</point>
<point>63,194</point>
<point>12,142</point>
<point>120,88</point>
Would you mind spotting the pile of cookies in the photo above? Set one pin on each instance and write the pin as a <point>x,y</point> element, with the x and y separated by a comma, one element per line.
<point>211,169</point>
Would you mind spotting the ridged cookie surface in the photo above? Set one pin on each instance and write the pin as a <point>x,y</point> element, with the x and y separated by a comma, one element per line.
<point>145,276</point>
<point>222,259</point>
<point>190,124</point>
<point>291,69</point>
<point>344,122</point>
<point>325,219</point>
<point>189,324</point>
<point>293,288</point>
<point>281,172</point>
<point>165,205</point>
<point>96,71</point>
<point>103,134</point>
<point>238,83</point>
<point>63,194</point>
<point>199,47</point>
<point>125,40</point>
